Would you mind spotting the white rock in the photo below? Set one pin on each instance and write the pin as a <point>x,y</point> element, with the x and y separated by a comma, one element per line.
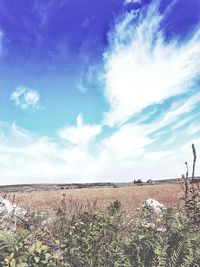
<point>7,208</point>
<point>154,205</point>
<point>49,222</point>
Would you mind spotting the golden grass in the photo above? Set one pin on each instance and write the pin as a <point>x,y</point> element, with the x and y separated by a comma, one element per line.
<point>131,197</point>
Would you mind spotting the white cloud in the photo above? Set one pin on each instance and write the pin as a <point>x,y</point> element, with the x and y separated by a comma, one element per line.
<point>25,98</point>
<point>13,135</point>
<point>81,133</point>
<point>142,69</point>
<point>193,128</point>
<point>27,158</point>
<point>131,139</point>
<point>183,122</point>
<point>158,155</point>
<point>137,141</point>
<point>128,142</point>
<point>132,1</point>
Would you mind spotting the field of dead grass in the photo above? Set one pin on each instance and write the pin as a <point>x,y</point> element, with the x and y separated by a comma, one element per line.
<point>131,197</point>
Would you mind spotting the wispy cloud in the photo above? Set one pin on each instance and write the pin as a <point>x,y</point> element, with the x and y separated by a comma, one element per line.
<point>142,68</point>
<point>25,98</point>
<point>46,10</point>
<point>132,1</point>
<point>174,115</point>
<point>88,75</point>
<point>193,128</point>
<point>13,135</point>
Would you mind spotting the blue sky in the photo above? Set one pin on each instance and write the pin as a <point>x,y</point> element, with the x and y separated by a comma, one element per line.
<point>104,91</point>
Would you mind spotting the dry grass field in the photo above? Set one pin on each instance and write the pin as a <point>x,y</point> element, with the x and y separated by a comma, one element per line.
<point>131,197</point>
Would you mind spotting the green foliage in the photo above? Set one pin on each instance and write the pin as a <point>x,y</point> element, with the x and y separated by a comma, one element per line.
<point>104,238</point>
<point>93,239</point>
<point>28,251</point>
<point>171,245</point>
<point>114,207</point>
<point>6,244</point>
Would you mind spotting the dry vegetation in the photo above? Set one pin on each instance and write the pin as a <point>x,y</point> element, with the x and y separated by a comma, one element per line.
<point>131,197</point>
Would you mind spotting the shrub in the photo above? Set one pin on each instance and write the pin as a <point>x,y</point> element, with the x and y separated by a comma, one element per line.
<point>92,238</point>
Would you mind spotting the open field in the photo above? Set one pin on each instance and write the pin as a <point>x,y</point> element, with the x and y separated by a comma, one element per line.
<point>131,197</point>
<point>75,232</point>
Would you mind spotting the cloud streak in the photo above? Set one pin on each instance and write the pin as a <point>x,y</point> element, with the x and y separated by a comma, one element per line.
<point>142,68</point>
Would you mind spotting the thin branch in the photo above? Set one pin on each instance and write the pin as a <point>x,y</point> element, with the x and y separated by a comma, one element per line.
<point>194,161</point>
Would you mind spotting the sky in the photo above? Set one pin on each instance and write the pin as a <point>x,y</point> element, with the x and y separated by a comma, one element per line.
<point>98,91</point>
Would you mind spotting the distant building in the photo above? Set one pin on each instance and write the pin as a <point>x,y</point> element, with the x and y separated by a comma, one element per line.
<point>139,181</point>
